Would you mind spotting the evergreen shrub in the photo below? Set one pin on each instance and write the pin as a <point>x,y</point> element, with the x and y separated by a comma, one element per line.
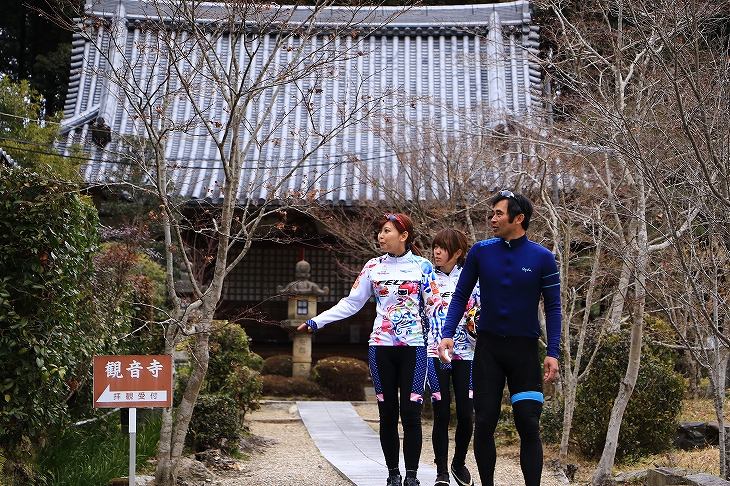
<point>245,386</point>
<point>551,423</point>
<point>229,347</point>
<point>48,236</point>
<point>290,387</point>
<point>652,413</point>
<point>214,424</point>
<point>343,378</point>
<point>277,365</point>
<point>233,368</point>
<point>506,425</point>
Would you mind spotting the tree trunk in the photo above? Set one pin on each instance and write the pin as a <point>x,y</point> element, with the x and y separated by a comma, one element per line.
<point>569,410</point>
<point>626,388</point>
<point>168,466</point>
<point>164,465</point>
<point>718,375</point>
<point>573,375</point>
<point>616,312</point>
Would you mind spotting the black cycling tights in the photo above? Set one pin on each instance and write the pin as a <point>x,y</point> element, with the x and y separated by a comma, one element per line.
<point>516,360</point>
<point>459,372</point>
<point>394,369</point>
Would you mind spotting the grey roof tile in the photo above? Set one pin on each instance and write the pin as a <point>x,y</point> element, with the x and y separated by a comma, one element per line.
<point>451,68</point>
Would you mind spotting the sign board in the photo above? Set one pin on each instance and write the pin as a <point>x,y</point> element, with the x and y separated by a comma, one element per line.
<point>133,381</point>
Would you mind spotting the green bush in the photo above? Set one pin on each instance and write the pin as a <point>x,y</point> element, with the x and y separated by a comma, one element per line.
<point>551,423</point>
<point>182,376</point>
<point>654,406</point>
<point>95,452</point>
<point>232,372</point>
<point>233,368</point>
<point>245,386</point>
<point>228,348</point>
<point>277,365</point>
<point>343,378</point>
<point>506,428</point>
<point>48,235</point>
<point>290,387</point>
<point>214,424</point>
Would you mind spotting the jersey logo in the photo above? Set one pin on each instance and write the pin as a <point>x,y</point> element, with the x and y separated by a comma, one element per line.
<point>526,269</point>
<point>393,282</point>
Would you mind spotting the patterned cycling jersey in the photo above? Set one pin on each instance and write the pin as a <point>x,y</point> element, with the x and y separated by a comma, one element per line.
<point>463,341</point>
<point>404,287</point>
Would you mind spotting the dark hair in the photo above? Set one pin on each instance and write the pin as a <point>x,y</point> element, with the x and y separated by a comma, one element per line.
<point>452,240</point>
<point>402,223</point>
<point>516,204</point>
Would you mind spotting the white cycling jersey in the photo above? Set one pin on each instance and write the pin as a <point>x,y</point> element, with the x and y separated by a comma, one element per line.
<point>405,293</point>
<point>464,342</point>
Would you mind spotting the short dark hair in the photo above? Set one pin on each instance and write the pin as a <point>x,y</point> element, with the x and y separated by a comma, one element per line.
<point>452,240</point>
<point>516,204</point>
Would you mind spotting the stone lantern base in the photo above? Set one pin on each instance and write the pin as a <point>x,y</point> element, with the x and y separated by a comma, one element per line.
<point>302,354</point>
<point>302,295</point>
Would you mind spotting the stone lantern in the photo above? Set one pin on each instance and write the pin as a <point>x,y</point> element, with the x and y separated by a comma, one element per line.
<point>302,295</point>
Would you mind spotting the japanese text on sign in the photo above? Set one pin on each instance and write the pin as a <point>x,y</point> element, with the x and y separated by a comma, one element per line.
<point>132,381</point>
<point>114,369</point>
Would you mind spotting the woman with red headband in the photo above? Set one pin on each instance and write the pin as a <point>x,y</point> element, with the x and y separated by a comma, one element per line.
<point>403,284</point>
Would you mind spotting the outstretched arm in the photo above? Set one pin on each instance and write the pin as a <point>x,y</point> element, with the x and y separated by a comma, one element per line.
<point>310,325</point>
<point>347,306</point>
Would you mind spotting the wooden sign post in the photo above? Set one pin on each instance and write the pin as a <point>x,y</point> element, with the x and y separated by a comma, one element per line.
<point>130,382</point>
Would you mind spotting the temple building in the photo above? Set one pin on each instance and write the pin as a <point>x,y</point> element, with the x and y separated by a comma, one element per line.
<point>466,69</point>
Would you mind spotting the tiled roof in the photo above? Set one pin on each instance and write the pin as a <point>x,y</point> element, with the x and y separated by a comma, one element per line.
<point>468,67</point>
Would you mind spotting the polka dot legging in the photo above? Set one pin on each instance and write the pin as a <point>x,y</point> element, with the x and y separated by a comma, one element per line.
<point>394,369</point>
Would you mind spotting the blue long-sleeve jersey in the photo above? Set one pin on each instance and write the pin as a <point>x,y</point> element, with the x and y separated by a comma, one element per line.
<point>513,275</point>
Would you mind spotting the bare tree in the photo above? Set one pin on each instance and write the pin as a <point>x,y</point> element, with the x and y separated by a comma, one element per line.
<point>578,244</point>
<point>697,307</point>
<point>440,179</point>
<point>692,71</point>
<point>611,61</point>
<point>225,63</point>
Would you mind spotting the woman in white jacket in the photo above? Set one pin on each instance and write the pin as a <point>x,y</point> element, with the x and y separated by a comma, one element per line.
<point>450,247</point>
<point>404,286</point>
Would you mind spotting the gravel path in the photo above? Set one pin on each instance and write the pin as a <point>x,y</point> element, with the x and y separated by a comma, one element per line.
<point>283,454</point>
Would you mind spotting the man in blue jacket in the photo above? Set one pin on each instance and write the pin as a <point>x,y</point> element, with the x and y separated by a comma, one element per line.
<point>514,273</point>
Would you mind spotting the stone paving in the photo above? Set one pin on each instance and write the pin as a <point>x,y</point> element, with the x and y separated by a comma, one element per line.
<point>350,444</point>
